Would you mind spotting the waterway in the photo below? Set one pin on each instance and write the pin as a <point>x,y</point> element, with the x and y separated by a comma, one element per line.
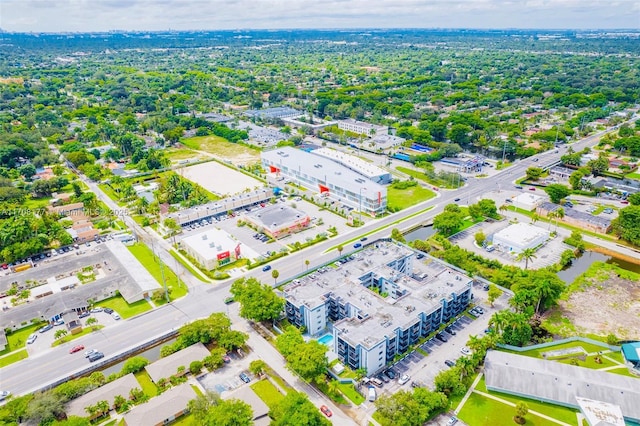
<point>581,264</point>
<point>152,354</point>
<point>421,233</point>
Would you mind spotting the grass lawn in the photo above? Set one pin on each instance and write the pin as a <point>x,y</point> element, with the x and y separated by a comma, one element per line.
<point>36,203</point>
<point>18,338</point>
<point>537,353</point>
<point>199,275</point>
<point>14,357</point>
<point>267,392</point>
<point>180,153</point>
<point>150,261</point>
<point>420,175</point>
<point>589,362</point>
<point>617,356</point>
<point>110,193</point>
<point>479,410</point>
<point>220,146</point>
<point>633,176</point>
<point>146,384</point>
<point>398,199</point>
<point>350,392</point>
<point>186,420</point>
<point>69,337</point>
<point>118,304</point>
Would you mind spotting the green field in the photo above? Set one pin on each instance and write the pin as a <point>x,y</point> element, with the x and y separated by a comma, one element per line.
<point>267,392</point>
<point>221,147</point>
<point>18,338</point>
<point>633,176</point>
<point>180,154</point>
<point>480,410</point>
<point>398,199</point>
<point>125,310</point>
<point>150,261</point>
<point>350,392</point>
<point>420,175</point>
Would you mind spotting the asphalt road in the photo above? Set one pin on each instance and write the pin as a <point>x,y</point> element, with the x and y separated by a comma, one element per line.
<point>203,299</point>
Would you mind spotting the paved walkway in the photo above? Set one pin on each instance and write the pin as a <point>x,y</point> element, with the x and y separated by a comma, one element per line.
<point>535,413</point>
<point>468,394</point>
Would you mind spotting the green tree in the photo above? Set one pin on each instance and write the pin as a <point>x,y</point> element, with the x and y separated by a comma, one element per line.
<point>134,364</point>
<point>258,301</point>
<point>308,359</point>
<point>576,178</point>
<point>557,192</point>
<point>521,411</point>
<point>600,165</point>
<point>488,208</point>
<point>493,294</point>
<point>534,173</point>
<point>567,257</point>
<point>230,412</point>
<point>257,367</point>
<point>340,248</point>
<point>44,408</point>
<point>399,409</point>
<point>28,171</point>
<point>60,334</point>
<point>449,382</point>
<point>448,222</point>
<point>397,235</point>
<point>93,323</point>
<point>200,406</point>
<point>480,237</point>
<point>295,409</point>
<point>72,421</point>
<point>627,224</point>
<point>634,199</point>
<point>195,367</point>
<point>527,254</point>
<point>275,274</point>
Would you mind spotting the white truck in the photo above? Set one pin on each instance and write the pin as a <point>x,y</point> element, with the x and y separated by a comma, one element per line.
<point>372,393</point>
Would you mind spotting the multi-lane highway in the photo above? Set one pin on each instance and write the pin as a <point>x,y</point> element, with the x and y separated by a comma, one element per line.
<point>35,372</point>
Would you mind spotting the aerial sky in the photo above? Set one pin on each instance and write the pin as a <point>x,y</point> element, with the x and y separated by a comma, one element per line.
<point>157,15</point>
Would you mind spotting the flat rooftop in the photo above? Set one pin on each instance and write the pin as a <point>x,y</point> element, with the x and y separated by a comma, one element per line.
<point>430,282</point>
<point>210,242</point>
<point>275,216</point>
<point>522,233</point>
<point>323,170</point>
<point>356,164</point>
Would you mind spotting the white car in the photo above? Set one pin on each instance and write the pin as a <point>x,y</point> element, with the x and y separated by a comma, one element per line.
<point>32,338</point>
<point>404,379</point>
<point>115,316</point>
<point>90,352</point>
<point>465,351</point>
<point>4,395</point>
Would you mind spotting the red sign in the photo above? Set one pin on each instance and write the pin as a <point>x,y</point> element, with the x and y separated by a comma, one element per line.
<point>237,250</point>
<point>223,255</point>
<point>323,188</point>
<point>274,169</point>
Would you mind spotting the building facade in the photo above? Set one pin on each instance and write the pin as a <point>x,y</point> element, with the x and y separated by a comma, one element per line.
<point>577,218</point>
<point>278,220</point>
<point>362,128</point>
<point>212,248</point>
<point>379,304</point>
<point>327,177</point>
<point>520,236</point>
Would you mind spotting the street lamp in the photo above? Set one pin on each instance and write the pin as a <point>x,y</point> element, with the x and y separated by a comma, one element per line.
<point>360,208</point>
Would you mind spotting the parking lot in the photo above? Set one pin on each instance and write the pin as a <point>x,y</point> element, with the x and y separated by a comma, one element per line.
<point>422,369</point>
<point>227,378</point>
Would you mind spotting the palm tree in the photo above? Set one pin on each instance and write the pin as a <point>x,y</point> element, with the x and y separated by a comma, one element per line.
<point>559,215</point>
<point>93,323</point>
<point>550,216</point>
<point>466,366</point>
<point>92,410</point>
<point>500,320</point>
<point>503,208</point>
<point>59,335</point>
<point>103,407</point>
<point>534,218</point>
<point>527,254</point>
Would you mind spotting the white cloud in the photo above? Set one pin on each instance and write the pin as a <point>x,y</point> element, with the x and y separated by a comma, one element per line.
<point>98,15</point>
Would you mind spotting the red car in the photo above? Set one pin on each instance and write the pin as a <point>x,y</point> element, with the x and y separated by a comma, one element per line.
<point>325,410</point>
<point>75,349</point>
<point>532,189</point>
<point>624,202</point>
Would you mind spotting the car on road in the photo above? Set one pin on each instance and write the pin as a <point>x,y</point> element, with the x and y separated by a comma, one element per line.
<point>357,245</point>
<point>4,395</point>
<point>449,363</point>
<point>229,300</point>
<point>404,379</point>
<point>244,377</point>
<point>535,160</point>
<point>518,187</point>
<point>95,356</point>
<point>75,349</point>
<point>532,189</point>
<point>364,239</point>
<point>116,316</point>
<point>441,337</point>
<point>90,352</point>
<point>452,421</point>
<point>326,411</point>
<point>456,200</point>
<point>32,338</point>
<point>266,268</point>
<point>45,328</point>
<point>465,350</point>
<point>624,202</point>
<point>108,310</point>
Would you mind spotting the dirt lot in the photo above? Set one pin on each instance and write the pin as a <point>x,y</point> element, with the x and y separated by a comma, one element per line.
<point>603,302</point>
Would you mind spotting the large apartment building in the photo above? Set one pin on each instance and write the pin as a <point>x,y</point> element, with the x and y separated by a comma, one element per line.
<point>378,304</point>
<point>362,128</point>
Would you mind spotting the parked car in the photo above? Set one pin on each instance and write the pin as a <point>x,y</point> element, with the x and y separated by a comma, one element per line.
<point>244,377</point>
<point>479,310</point>
<point>372,394</point>
<point>96,310</point>
<point>326,411</point>
<point>75,349</point>
<point>449,363</point>
<point>376,382</point>
<point>226,359</point>
<point>518,187</point>
<point>465,350</point>
<point>32,338</point>
<point>45,328</point>
<point>108,310</point>
<point>383,378</point>
<point>84,314</point>
<point>450,330</point>
<point>95,356</point>
<point>441,337</point>
<point>391,374</point>
<point>4,395</point>
<point>116,316</point>
<point>403,379</point>
<point>266,268</point>
<point>452,421</point>
<point>59,322</point>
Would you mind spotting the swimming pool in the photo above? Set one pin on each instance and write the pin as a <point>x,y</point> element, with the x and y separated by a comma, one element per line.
<point>327,339</point>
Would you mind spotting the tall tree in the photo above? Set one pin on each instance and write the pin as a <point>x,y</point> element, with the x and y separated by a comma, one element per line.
<point>527,254</point>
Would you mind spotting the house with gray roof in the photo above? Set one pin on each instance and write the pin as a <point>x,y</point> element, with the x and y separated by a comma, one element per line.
<point>162,409</point>
<point>259,408</point>
<point>577,218</point>
<point>559,383</point>
<point>168,366</point>
<point>107,392</point>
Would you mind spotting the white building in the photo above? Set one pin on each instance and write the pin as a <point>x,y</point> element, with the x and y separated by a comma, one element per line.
<point>212,248</point>
<point>362,128</point>
<point>517,237</point>
<point>358,165</point>
<point>527,201</point>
